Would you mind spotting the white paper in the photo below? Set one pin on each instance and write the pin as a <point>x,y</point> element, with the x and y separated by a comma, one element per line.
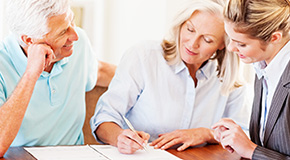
<point>65,153</point>
<point>151,154</point>
<point>96,152</point>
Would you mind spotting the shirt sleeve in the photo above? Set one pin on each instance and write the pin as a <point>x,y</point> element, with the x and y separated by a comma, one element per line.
<point>238,106</point>
<point>123,92</point>
<point>3,96</point>
<point>265,153</point>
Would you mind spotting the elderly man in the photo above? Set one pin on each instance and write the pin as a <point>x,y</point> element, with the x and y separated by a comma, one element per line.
<point>46,67</point>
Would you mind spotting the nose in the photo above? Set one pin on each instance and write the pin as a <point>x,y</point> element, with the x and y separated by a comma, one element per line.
<point>194,41</point>
<point>232,47</point>
<point>73,36</point>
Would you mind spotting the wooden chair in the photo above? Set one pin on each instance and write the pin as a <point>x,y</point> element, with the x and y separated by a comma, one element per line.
<point>91,101</point>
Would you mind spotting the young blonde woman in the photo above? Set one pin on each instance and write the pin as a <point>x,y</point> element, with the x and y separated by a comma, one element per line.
<point>259,34</point>
<point>173,91</point>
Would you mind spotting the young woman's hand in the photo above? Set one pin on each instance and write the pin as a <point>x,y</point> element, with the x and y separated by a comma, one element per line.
<point>233,138</point>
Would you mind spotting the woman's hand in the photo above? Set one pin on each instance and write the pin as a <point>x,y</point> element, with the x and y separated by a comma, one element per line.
<point>129,142</point>
<point>186,137</point>
<point>233,138</point>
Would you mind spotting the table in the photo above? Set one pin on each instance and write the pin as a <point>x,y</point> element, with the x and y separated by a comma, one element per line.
<point>208,152</point>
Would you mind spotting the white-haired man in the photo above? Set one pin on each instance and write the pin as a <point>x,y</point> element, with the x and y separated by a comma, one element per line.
<point>46,67</point>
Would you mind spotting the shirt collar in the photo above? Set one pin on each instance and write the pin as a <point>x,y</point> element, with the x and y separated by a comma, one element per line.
<point>260,68</point>
<point>207,69</point>
<point>57,68</point>
<point>180,66</point>
<point>204,72</point>
<point>18,58</point>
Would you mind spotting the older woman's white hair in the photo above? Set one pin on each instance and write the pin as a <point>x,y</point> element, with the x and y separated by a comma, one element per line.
<point>228,63</point>
<point>29,17</point>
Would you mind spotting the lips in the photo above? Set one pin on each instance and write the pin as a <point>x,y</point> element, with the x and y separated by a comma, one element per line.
<point>242,56</point>
<point>68,46</point>
<point>190,52</point>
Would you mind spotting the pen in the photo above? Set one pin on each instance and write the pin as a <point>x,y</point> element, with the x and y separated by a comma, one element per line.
<point>132,129</point>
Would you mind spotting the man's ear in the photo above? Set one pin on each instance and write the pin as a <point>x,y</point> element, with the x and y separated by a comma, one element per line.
<point>26,39</point>
<point>276,37</point>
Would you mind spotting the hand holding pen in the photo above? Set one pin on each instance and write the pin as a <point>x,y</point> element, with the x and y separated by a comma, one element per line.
<point>130,140</point>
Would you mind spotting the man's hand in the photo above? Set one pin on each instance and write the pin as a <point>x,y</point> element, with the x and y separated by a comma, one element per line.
<point>39,57</point>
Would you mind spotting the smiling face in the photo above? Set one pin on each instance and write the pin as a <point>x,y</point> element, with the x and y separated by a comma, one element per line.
<point>61,36</point>
<point>200,37</point>
<point>249,50</point>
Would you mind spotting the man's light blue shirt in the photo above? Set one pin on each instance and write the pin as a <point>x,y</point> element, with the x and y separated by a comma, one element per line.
<point>158,98</point>
<point>56,112</point>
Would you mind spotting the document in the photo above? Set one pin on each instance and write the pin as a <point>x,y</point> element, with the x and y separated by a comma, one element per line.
<point>96,152</point>
<point>150,154</point>
<point>65,153</point>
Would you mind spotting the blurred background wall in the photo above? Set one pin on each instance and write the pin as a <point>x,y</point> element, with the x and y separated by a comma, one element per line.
<point>115,25</point>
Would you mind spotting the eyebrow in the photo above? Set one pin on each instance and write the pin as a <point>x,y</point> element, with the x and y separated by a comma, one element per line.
<point>64,30</point>
<point>237,41</point>
<point>206,34</point>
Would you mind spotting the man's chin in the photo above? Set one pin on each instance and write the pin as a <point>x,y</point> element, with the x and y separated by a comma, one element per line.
<point>62,55</point>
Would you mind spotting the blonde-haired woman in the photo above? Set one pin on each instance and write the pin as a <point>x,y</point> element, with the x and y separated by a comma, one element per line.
<point>173,91</point>
<point>259,33</point>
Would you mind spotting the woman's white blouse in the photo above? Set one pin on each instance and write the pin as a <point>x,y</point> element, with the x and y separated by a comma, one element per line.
<point>159,98</point>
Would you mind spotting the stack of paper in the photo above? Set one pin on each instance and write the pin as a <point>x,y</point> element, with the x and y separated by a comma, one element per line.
<point>96,152</point>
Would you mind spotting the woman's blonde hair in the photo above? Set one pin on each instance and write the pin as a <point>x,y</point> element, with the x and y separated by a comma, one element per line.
<point>259,18</point>
<point>228,63</point>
